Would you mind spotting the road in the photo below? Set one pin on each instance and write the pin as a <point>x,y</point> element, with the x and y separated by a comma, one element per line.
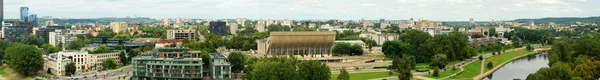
<point>104,75</point>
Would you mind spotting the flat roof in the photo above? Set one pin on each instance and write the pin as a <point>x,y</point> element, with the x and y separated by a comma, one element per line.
<point>303,33</point>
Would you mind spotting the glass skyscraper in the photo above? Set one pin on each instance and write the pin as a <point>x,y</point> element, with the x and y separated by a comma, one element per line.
<point>24,14</point>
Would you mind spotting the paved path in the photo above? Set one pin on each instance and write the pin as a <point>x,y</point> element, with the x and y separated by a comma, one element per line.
<point>104,75</point>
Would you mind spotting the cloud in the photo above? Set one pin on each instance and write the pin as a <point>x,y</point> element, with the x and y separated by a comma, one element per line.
<point>307,9</point>
<point>550,2</point>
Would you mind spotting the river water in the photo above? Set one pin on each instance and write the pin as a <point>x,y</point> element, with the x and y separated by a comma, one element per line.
<point>520,68</point>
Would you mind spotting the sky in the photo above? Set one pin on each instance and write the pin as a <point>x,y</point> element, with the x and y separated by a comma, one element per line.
<point>439,10</point>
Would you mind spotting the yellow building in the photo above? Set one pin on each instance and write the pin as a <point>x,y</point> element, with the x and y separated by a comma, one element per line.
<point>118,27</point>
<point>300,44</point>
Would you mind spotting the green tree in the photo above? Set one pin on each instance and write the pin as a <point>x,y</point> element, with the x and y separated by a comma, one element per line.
<point>588,44</point>
<point>102,49</point>
<point>347,49</point>
<point>418,47</point>
<point>395,48</point>
<point>24,59</point>
<point>560,52</point>
<point>120,47</point>
<point>3,46</point>
<point>436,72</point>
<point>50,48</point>
<point>276,68</point>
<point>313,70</point>
<point>489,65</point>
<point>122,36</point>
<point>70,69</point>
<point>558,71</point>
<point>122,57</point>
<point>205,55</point>
<point>454,45</point>
<point>31,40</point>
<point>404,68</point>
<point>528,47</point>
<point>237,60</point>
<point>343,74</point>
<point>439,60</point>
<point>109,64</point>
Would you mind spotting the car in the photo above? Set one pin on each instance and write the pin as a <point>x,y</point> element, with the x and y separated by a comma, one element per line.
<point>121,70</point>
<point>113,74</point>
<point>84,76</point>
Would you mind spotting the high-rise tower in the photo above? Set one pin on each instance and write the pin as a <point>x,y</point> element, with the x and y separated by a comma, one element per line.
<point>24,14</point>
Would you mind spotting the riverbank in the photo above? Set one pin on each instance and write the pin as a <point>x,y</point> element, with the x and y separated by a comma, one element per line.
<point>500,60</point>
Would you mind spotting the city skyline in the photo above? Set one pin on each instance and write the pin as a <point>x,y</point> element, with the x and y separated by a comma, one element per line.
<point>439,10</point>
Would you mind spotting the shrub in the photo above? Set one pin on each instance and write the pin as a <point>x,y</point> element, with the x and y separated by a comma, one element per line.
<point>490,65</point>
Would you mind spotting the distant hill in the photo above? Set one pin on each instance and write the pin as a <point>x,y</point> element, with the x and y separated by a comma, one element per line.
<point>560,20</point>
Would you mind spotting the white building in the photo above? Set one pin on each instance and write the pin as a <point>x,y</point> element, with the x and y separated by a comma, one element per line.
<point>380,38</point>
<point>180,34</point>
<point>83,60</point>
<point>60,36</point>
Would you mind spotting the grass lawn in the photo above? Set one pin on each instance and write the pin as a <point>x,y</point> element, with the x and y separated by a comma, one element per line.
<point>3,73</point>
<point>423,66</point>
<point>121,66</point>
<point>470,70</point>
<point>364,76</point>
<point>443,74</point>
<point>547,46</point>
<point>498,59</point>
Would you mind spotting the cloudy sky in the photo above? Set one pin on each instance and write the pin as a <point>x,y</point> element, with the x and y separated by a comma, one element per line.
<point>444,10</point>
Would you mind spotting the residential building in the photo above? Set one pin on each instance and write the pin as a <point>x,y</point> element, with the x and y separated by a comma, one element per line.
<point>233,27</point>
<point>299,44</point>
<point>166,22</point>
<point>241,21</point>
<point>220,67</point>
<point>166,43</point>
<point>168,64</point>
<point>84,61</point>
<point>485,41</point>
<point>380,38</point>
<point>260,26</point>
<point>218,28</point>
<point>1,14</point>
<point>24,14</point>
<point>118,27</point>
<point>287,22</point>
<point>180,34</point>
<point>58,36</point>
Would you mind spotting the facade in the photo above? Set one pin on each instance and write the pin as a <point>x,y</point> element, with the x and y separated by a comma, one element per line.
<point>180,34</point>
<point>83,61</point>
<point>119,27</point>
<point>220,67</point>
<point>485,41</point>
<point>167,64</point>
<point>165,43</point>
<point>33,19</point>
<point>58,36</point>
<point>299,44</point>
<point>10,33</point>
<point>233,27</point>
<point>380,38</point>
<point>56,63</point>
<point>218,28</point>
<point>166,21</point>
<point>24,14</point>
<point>241,21</point>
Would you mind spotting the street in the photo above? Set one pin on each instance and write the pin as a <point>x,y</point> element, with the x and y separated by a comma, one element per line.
<point>104,75</point>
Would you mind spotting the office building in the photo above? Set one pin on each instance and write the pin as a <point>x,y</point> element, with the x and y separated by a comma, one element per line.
<point>218,28</point>
<point>24,14</point>
<point>84,61</point>
<point>33,19</point>
<point>1,14</point>
<point>180,34</point>
<point>220,67</point>
<point>168,64</point>
<point>11,33</point>
<point>299,44</point>
<point>56,63</point>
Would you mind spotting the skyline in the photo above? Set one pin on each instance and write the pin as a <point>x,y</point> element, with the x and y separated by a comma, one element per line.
<point>439,10</point>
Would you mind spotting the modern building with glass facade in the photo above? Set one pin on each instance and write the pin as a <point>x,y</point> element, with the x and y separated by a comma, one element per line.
<point>168,64</point>
<point>24,14</point>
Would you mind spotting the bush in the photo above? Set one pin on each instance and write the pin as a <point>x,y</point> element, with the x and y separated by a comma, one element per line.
<point>421,70</point>
<point>490,65</point>
<point>380,67</point>
<point>480,57</point>
<point>436,72</point>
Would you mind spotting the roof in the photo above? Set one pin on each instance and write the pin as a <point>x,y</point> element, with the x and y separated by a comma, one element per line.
<point>303,33</point>
<point>169,41</point>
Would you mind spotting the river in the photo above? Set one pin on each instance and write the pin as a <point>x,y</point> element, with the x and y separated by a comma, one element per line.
<point>520,68</point>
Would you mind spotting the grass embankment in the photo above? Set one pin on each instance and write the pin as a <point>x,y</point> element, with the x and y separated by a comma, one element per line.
<point>443,74</point>
<point>427,67</point>
<point>499,59</point>
<point>365,76</point>
<point>470,70</point>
